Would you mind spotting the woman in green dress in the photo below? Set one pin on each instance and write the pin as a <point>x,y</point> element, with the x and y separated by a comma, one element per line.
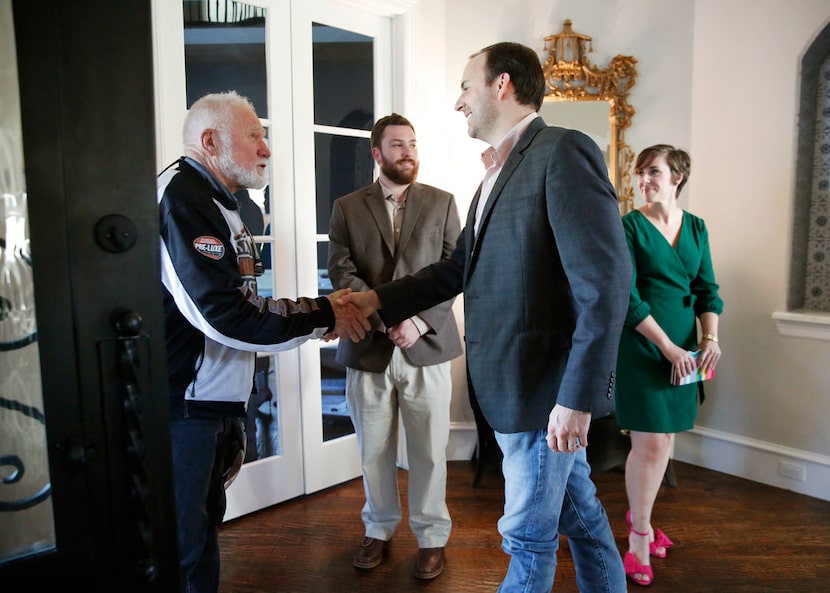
<point>673,286</point>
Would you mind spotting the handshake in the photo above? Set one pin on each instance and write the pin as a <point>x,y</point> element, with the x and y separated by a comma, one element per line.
<point>351,313</point>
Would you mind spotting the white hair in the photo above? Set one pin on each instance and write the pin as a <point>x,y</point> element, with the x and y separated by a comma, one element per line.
<point>214,111</point>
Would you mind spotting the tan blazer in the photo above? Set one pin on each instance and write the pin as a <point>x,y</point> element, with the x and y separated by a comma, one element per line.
<point>362,255</point>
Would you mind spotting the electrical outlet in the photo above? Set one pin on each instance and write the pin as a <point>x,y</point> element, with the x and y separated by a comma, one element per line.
<point>794,471</point>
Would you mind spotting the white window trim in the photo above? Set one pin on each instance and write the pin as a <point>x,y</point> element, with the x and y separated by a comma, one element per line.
<point>814,325</point>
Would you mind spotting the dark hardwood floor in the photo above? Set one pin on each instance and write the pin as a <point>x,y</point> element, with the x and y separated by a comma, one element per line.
<point>731,535</point>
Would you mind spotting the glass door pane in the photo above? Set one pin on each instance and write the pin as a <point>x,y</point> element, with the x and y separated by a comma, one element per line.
<point>26,516</point>
<point>343,117</point>
<point>225,50</point>
<point>343,77</point>
<point>262,426</point>
<point>26,520</point>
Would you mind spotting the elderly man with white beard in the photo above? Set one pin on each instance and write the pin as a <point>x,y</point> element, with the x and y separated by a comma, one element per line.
<point>215,322</point>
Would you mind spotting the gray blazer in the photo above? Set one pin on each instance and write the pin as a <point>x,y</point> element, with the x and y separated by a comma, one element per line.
<point>362,256</point>
<point>546,284</point>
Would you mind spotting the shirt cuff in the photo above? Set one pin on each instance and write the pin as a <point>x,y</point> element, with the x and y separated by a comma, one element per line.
<point>422,325</point>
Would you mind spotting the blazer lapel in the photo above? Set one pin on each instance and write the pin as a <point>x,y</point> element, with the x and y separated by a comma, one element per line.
<point>376,203</point>
<point>470,234</point>
<point>414,202</point>
<point>510,165</point>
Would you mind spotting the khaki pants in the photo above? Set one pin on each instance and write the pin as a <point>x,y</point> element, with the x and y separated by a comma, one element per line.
<point>421,395</point>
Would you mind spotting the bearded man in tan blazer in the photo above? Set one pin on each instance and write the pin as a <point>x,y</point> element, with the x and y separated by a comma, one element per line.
<point>378,233</point>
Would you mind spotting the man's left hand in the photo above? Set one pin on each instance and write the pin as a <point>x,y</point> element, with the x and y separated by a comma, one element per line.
<point>404,335</point>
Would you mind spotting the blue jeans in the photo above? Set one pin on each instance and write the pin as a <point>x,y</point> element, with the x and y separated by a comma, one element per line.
<point>202,447</point>
<point>545,494</point>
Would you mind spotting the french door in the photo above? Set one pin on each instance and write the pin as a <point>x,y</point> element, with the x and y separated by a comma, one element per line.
<point>319,74</point>
<point>349,54</point>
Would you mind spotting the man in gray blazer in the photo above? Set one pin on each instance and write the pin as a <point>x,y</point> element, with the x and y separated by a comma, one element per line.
<point>546,274</point>
<point>386,230</point>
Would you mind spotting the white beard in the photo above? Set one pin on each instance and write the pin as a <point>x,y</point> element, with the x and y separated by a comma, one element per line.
<point>235,173</point>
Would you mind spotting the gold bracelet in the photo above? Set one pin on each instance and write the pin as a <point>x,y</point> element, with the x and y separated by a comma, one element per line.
<point>711,337</point>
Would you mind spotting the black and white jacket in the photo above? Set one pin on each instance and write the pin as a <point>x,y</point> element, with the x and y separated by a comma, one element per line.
<point>215,321</point>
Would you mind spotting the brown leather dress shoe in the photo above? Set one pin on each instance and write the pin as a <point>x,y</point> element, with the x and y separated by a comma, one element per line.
<point>370,553</point>
<point>430,563</point>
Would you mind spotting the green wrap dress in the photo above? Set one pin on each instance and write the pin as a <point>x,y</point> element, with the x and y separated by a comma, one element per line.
<point>675,285</point>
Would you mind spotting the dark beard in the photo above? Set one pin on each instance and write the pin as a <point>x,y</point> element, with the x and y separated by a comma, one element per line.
<point>393,174</point>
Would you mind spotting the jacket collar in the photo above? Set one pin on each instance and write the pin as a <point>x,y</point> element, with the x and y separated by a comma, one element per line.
<point>221,193</point>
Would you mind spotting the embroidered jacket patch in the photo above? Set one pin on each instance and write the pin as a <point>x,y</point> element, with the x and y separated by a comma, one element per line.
<point>209,247</point>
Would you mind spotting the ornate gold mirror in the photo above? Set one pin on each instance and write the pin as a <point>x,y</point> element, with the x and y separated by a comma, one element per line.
<point>592,100</point>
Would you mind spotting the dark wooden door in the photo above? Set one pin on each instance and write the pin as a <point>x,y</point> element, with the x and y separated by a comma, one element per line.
<point>85,72</point>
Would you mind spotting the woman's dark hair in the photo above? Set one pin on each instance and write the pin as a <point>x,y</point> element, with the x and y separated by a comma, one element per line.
<point>523,66</point>
<point>380,127</point>
<point>678,161</point>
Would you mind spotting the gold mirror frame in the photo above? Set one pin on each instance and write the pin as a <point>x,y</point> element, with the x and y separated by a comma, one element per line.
<point>570,76</point>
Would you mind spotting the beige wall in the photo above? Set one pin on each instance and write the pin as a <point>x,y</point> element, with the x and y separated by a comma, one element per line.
<point>775,389</point>
<point>723,83</point>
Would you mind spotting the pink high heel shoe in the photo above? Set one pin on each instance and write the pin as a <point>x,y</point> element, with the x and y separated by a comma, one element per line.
<point>661,540</point>
<point>634,570</point>
<point>642,575</point>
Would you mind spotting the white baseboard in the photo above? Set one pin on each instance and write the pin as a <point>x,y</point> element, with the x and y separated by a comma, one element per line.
<point>463,441</point>
<point>768,463</point>
<point>731,454</point>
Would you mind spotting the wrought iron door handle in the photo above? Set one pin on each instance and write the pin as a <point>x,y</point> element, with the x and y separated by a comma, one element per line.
<point>128,325</point>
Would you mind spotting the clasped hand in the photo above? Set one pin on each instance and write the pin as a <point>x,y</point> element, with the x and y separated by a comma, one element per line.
<point>684,363</point>
<point>404,335</point>
<point>710,353</point>
<point>366,302</point>
<point>349,321</point>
